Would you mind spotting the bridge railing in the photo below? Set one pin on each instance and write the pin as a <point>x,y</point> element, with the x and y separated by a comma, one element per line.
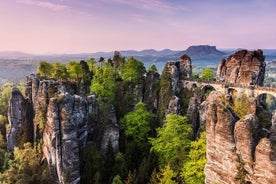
<point>229,85</point>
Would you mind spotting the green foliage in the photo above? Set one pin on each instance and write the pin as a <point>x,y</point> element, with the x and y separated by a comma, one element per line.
<point>44,69</point>
<point>120,166</point>
<point>165,91</point>
<point>133,71</point>
<point>194,75</point>
<point>117,180</point>
<point>108,163</point>
<point>74,70</point>
<point>173,140</point>
<point>92,64</point>
<point>208,74</point>
<point>26,167</point>
<point>241,105</point>
<point>152,68</point>
<point>136,124</point>
<point>93,164</point>
<point>103,83</point>
<point>5,93</point>
<point>167,176</point>
<point>193,168</point>
<point>59,71</point>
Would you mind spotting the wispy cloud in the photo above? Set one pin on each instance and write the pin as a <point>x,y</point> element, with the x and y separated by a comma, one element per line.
<point>151,5</point>
<point>45,4</point>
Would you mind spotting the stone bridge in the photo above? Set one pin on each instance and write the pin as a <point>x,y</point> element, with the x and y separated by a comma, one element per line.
<point>250,91</point>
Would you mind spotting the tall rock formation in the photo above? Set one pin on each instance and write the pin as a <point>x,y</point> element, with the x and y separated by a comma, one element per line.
<point>238,150</point>
<point>63,121</point>
<point>20,121</point>
<point>243,67</point>
<point>172,74</point>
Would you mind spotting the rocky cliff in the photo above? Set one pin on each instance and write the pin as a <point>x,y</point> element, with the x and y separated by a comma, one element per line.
<point>64,121</point>
<point>238,150</point>
<point>243,67</point>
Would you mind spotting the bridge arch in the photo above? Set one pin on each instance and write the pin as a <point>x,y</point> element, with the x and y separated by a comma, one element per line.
<point>267,101</point>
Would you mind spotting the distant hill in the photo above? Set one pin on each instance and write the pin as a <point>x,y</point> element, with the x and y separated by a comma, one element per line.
<point>14,55</point>
<point>203,52</point>
<point>15,65</point>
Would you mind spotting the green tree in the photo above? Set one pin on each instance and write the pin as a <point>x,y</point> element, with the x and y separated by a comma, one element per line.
<point>26,167</point>
<point>120,166</point>
<point>117,180</point>
<point>108,163</point>
<point>167,176</point>
<point>59,71</point>
<point>165,91</point>
<point>173,141</point>
<point>103,83</point>
<point>133,71</point>
<point>44,69</point>
<point>193,168</point>
<point>137,124</point>
<point>152,68</point>
<point>241,105</point>
<point>74,70</point>
<point>92,165</point>
<point>5,94</point>
<point>208,74</point>
<point>92,64</point>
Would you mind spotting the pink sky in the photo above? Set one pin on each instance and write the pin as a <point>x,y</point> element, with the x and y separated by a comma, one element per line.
<point>74,26</point>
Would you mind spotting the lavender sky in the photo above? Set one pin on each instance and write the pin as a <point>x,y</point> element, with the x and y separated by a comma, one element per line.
<point>74,26</point>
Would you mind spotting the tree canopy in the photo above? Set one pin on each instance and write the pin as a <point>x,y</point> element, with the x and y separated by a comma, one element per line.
<point>133,71</point>
<point>103,83</point>
<point>137,124</point>
<point>173,141</point>
<point>193,168</point>
<point>208,74</point>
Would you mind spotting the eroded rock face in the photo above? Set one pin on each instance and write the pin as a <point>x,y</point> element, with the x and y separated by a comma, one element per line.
<point>185,67</point>
<point>174,106</point>
<point>193,115</point>
<point>179,70</point>
<point>151,95</point>
<point>20,116</point>
<point>243,67</point>
<point>65,135</point>
<point>238,151</point>
<point>220,152</point>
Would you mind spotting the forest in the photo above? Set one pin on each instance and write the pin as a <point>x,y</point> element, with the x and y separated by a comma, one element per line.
<point>154,146</point>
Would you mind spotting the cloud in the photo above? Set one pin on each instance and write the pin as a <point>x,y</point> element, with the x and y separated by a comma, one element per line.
<point>45,4</point>
<point>151,5</point>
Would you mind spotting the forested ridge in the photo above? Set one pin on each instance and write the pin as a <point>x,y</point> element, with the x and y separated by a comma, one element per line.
<point>114,121</point>
<point>154,146</point>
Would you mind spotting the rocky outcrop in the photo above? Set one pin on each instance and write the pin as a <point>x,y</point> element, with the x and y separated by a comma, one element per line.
<point>243,68</point>
<point>221,158</point>
<point>185,67</point>
<point>65,135</point>
<point>63,121</point>
<point>238,151</point>
<point>151,94</point>
<point>20,121</point>
<point>174,106</point>
<point>179,70</point>
<point>193,115</point>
